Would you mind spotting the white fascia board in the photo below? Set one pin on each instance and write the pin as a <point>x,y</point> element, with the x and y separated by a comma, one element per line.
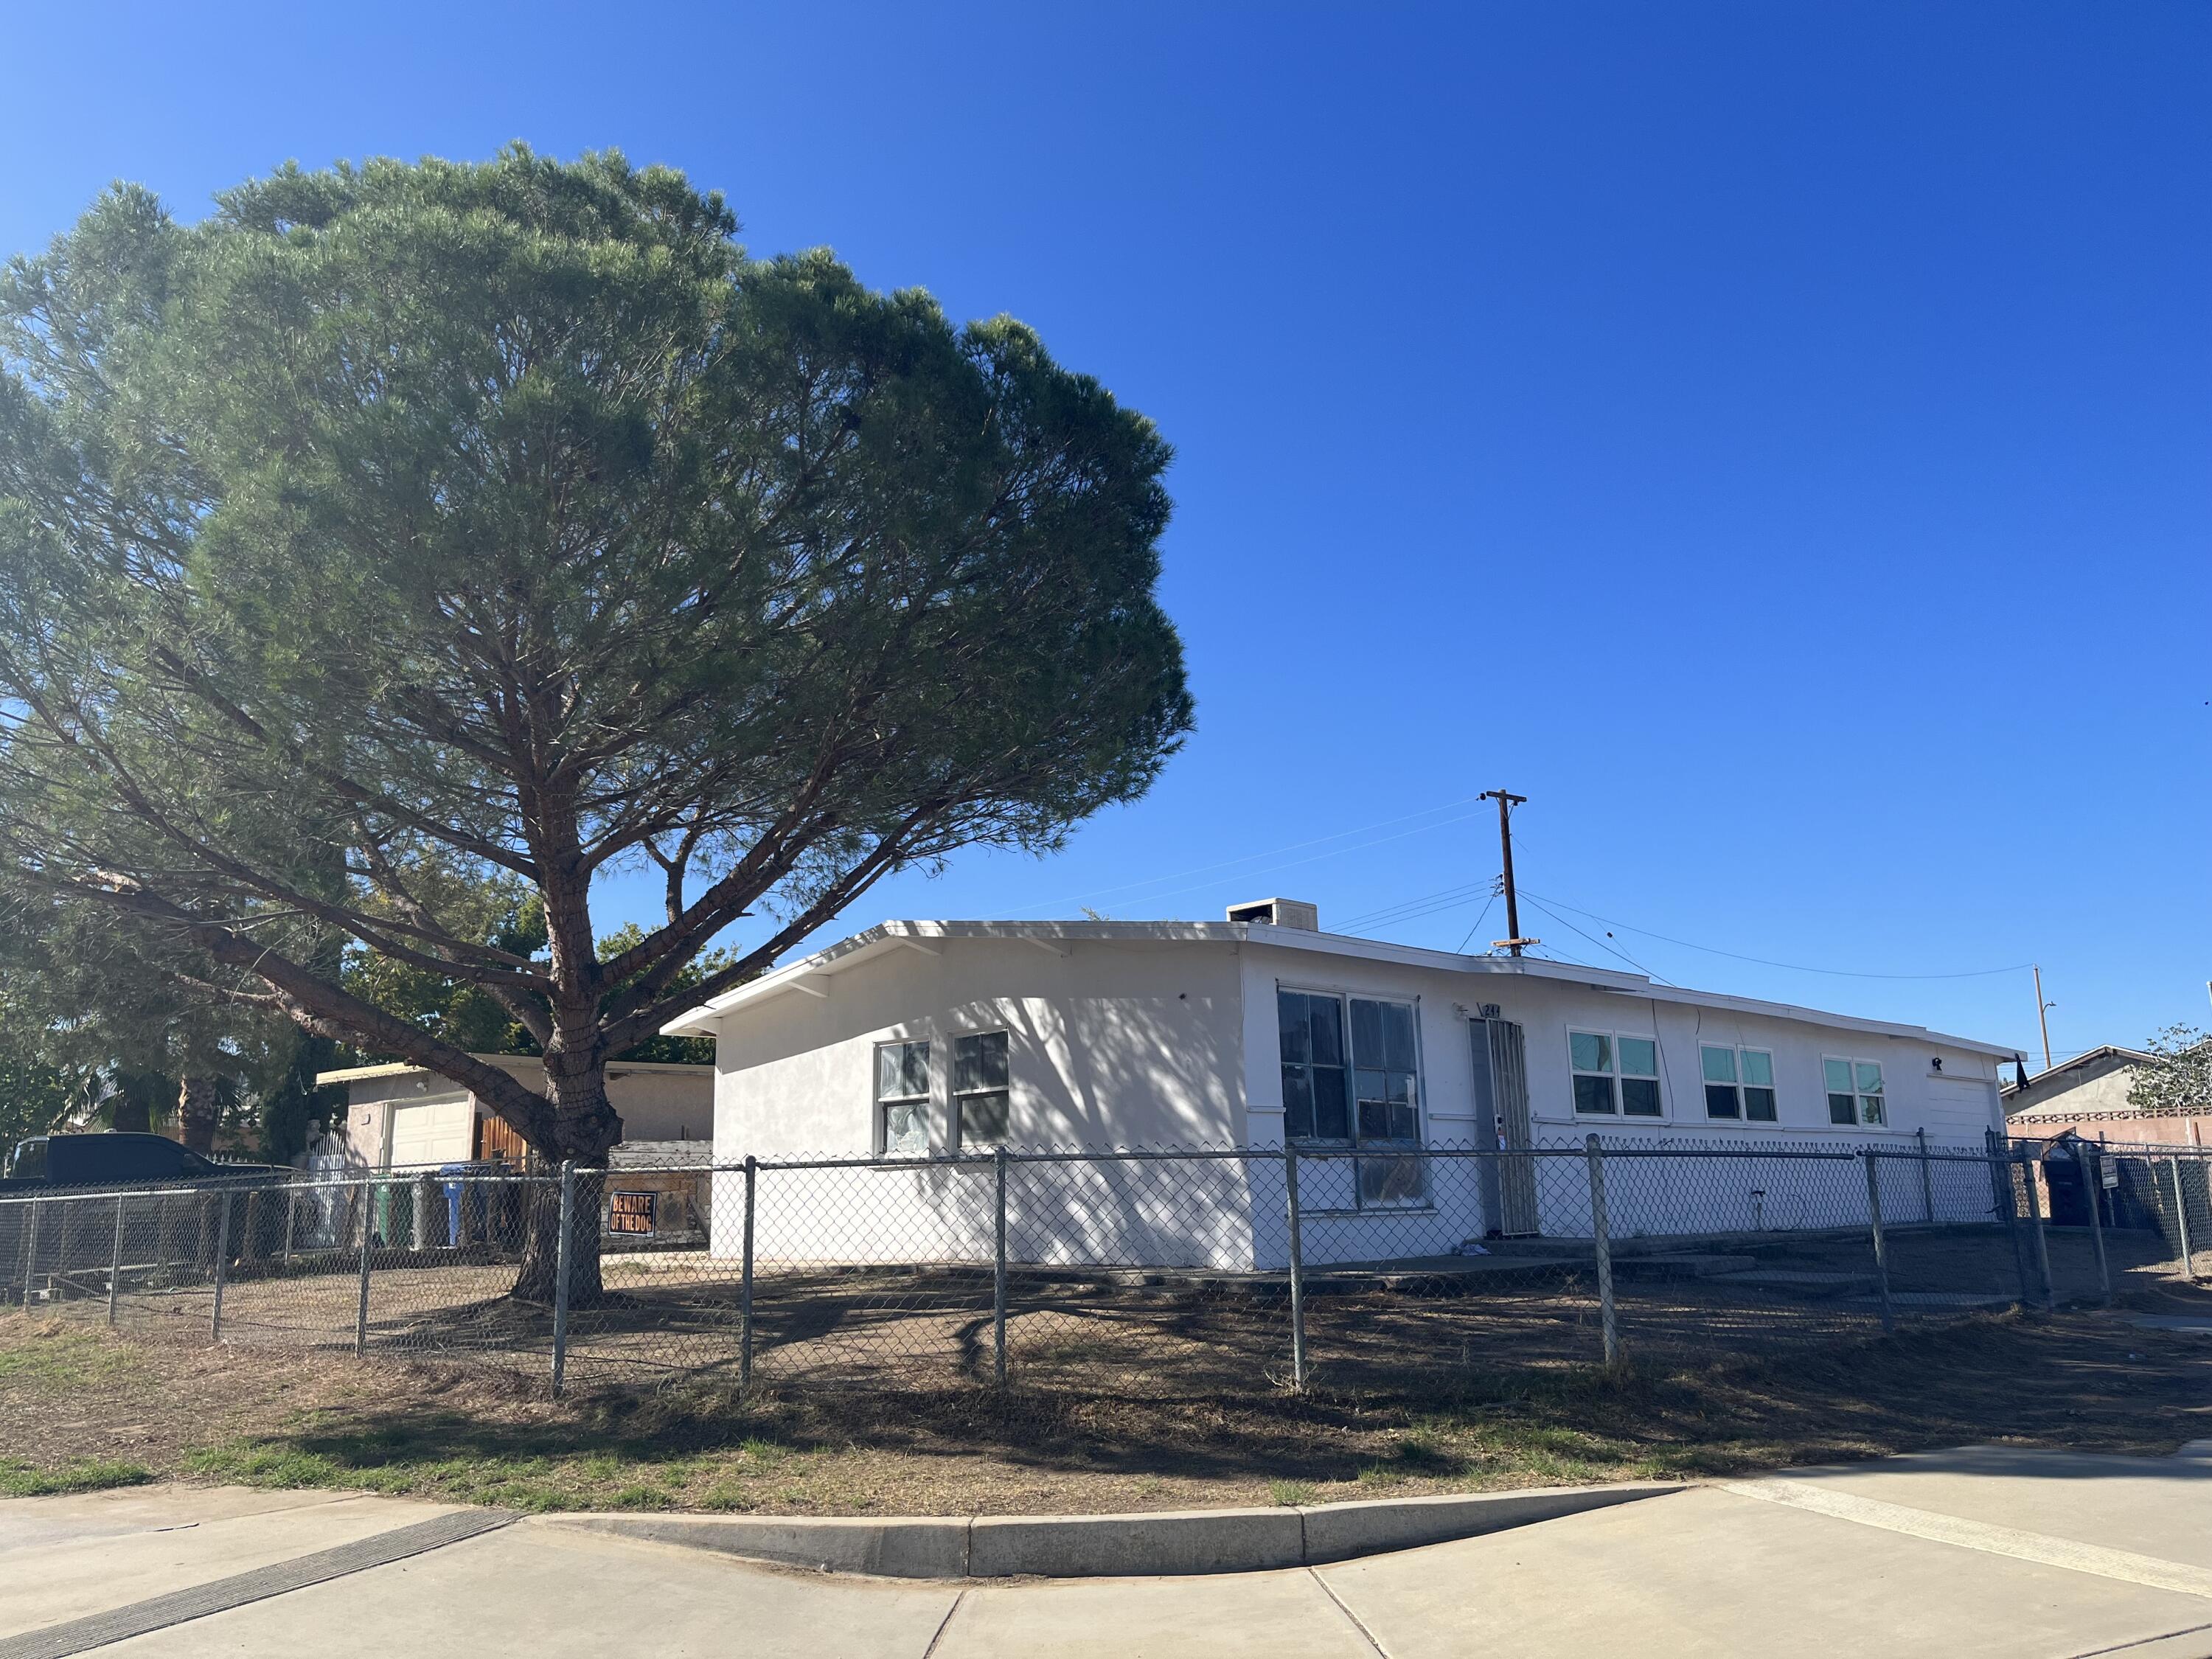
<point>898,935</point>
<point>363,1074</point>
<point>1821,1017</point>
<point>1608,979</point>
<point>515,1065</point>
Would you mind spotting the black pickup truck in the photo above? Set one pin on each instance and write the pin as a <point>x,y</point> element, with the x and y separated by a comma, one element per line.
<point>47,1162</point>
<point>74,1205</point>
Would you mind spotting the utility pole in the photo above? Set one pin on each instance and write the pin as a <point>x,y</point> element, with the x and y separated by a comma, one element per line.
<point>2043,1016</point>
<point>1505,804</point>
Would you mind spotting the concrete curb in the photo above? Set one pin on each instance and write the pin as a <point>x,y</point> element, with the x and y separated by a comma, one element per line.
<point>1113,1546</point>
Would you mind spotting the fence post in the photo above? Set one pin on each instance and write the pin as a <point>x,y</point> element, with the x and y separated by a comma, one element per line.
<point>2035,1225</point>
<point>57,1286</point>
<point>291,1217</point>
<point>2001,1172</point>
<point>1602,1247</point>
<point>2092,1178</point>
<point>115,1262</point>
<point>1927,1178</point>
<point>745,1283</point>
<point>561,1276</point>
<point>1880,1245</point>
<point>999,1274</point>
<point>165,1234</point>
<point>368,1235</point>
<point>1298,1270</point>
<point>2180,1223</point>
<point>31,1244</point>
<point>249,1247</point>
<point>221,1263</point>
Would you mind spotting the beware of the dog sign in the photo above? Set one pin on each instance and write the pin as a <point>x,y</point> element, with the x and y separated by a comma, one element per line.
<point>631,1212</point>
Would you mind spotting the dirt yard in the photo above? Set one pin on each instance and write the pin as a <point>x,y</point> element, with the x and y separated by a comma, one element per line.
<point>81,1406</point>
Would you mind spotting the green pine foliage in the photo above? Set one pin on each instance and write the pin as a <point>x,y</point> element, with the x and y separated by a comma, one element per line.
<point>395,552</point>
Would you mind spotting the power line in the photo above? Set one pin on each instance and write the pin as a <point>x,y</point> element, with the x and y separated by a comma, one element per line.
<point>1294,847</point>
<point>1443,899</point>
<point>1767,961</point>
<point>1479,920</point>
<point>1601,943</point>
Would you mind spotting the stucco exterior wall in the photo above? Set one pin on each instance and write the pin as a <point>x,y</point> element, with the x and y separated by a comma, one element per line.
<point>2104,1090</point>
<point>671,1105</point>
<point>2094,1103</point>
<point>1955,1103</point>
<point>1111,1044</point>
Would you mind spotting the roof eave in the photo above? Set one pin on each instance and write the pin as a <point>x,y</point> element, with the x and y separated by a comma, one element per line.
<point>851,952</point>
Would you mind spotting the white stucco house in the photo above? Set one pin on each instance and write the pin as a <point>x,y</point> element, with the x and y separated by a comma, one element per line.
<point>922,1039</point>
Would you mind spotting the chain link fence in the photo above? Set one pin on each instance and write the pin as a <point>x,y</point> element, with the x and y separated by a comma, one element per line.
<point>1186,1274</point>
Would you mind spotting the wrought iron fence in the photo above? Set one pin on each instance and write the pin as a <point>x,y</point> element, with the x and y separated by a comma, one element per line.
<point>1167,1273</point>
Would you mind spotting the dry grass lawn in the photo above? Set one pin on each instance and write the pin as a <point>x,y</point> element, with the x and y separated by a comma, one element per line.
<point>80,1407</point>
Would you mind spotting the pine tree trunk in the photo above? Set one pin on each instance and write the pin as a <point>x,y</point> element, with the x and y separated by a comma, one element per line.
<point>586,1128</point>
<point>199,1109</point>
<point>541,1242</point>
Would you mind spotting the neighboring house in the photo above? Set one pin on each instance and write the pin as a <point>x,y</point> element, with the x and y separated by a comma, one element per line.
<point>399,1115</point>
<point>923,1038</point>
<point>2089,1094</point>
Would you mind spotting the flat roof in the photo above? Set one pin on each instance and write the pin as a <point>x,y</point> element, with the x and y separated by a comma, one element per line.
<point>799,977</point>
<point>510,1062</point>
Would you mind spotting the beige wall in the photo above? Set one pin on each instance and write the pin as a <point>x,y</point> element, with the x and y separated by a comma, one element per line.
<point>654,1104</point>
<point>2102,1088</point>
<point>2094,1102</point>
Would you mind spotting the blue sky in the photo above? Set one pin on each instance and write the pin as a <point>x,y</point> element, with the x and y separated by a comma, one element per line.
<point>1773,439</point>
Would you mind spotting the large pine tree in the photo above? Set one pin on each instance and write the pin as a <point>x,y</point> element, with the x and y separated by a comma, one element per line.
<point>399,529</point>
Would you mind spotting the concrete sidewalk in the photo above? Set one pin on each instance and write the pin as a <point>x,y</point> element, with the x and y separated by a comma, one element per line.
<point>1976,1552</point>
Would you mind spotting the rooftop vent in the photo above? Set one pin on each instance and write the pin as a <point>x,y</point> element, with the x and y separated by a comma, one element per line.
<point>1279,913</point>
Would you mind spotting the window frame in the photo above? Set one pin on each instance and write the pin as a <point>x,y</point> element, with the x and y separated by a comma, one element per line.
<point>1740,1085</point>
<point>1859,1095</point>
<point>956,1095</point>
<point>1350,1140</point>
<point>878,1101</point>
<point>1343,1065</point>
<point>1618,1112</point>
<point>1377,1161</point>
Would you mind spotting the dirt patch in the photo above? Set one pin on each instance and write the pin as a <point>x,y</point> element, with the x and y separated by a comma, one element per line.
<point>73,1396</point>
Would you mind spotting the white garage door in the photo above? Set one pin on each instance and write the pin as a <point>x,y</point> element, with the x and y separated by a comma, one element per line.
<point>435,1132</point>
<point>1958,1110</point>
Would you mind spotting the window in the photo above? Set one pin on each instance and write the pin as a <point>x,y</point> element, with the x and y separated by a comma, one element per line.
<point>1614,1073</point>
<point>1365,1093</point>
<point>1855,1091</point>
<point>1386,1088</point>
<point>1382,1074</point>
<point>902,1098</point>
<point>1372,1092</point>
<point>981,1101</point>
<point>1739,1082</point>
<point>1314,1098</point>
